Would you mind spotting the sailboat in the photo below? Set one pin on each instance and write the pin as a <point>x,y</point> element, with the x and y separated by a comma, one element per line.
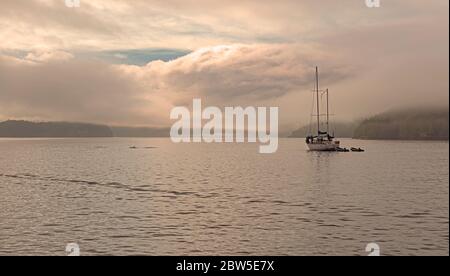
<point>322,141</point>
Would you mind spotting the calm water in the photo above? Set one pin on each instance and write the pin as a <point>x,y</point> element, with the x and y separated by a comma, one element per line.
<point>199,199</point>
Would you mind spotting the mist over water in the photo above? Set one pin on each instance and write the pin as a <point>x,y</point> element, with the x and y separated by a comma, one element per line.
<point>160,198</point>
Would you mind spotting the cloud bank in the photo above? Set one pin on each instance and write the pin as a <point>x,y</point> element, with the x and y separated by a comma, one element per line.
<point>57,86</point>
<point>58,63</point>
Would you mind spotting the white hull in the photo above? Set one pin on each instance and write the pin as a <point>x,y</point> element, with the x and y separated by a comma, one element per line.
<point>324,146</point>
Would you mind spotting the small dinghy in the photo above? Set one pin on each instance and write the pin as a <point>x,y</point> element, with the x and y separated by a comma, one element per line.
<point>357,150</point>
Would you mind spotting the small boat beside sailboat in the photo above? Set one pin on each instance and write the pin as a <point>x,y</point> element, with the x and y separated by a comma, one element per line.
<point>357,150</point>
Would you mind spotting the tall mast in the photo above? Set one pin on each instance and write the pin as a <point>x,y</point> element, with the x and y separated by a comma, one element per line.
<point>317,95</point>
<point>328,115</point>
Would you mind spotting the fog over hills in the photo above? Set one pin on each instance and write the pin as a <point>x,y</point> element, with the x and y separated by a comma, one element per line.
<point>27,129</point>
<point>340,129</point>
<point>412,124</point>
<point>140,132</point>
<point>405,124</point>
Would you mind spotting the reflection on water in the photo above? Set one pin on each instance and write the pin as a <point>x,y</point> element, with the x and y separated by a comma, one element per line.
<point>152,197</point>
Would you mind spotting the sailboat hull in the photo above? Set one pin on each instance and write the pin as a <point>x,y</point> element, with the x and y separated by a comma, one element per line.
<point>324,146</point>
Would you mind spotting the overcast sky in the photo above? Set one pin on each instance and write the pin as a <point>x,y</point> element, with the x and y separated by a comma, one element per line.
<point>129,62</point>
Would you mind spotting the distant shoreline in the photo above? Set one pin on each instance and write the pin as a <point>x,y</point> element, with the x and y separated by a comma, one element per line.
<point>27,129</point>
<point>368,139</point>
<point>166,137</point>
<point>412,140</point>
<point>401,125</point>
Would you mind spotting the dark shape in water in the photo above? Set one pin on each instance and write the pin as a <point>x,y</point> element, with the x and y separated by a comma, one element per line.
<point>134,147</point>
<point>342,149</point>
